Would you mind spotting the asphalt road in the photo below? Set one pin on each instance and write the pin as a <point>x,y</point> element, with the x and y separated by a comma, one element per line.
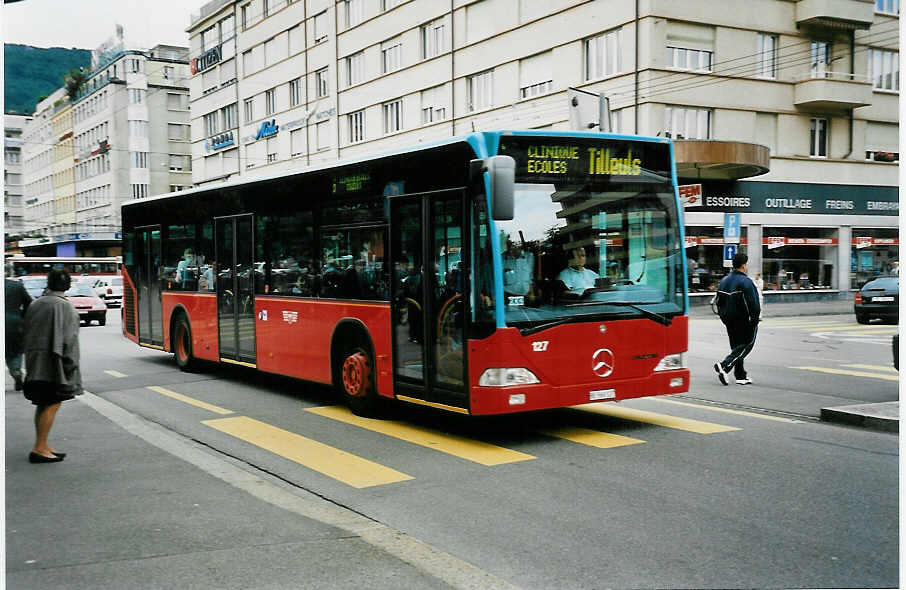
<point>736,486</point>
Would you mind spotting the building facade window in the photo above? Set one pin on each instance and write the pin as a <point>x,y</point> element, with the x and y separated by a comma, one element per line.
<point>388,4</point>
<point>138,128</point>
<point>433,39</point>
<point>265,8</point>
<point>821,59</point>
<point>355,12</point>
<point>295,92</point>
<point>271,150</point>
<point>357,127</point>
<point>603,55</point>
<point>322,88</point>
<point>139,191</point>
<point>696,60</point>
<point>355,68</point>
<point>245,16</point>
<point>887,6</point>
<point>320,27</point>
<point>884,69</point>
<point>767,56</point>
<point>176,132</point>
<point>169,73</point>
<point>135,66</point>
<point>139,159</point>
<point>270,101</point>
<point>818,138</point>
<point>297,142</point>
<point>322,135</point>
<point>393,116</point>
<point>433,105</point>
<point>211,124</point>
<point>536,75</point>
<point>228,117</point>
<point>249,105</point>
<point>686,123</point>
<point>136,96</point>
<point>392,57</point>
<point>481,90</point>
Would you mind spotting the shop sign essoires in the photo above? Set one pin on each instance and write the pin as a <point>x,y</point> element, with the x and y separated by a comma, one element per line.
<point>798,198</point>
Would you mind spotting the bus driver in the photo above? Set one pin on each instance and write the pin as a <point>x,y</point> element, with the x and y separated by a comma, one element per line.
<point>576,277</point>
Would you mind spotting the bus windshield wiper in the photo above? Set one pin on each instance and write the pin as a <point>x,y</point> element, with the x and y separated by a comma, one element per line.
<point>653,316</point>
<point>566,320</point>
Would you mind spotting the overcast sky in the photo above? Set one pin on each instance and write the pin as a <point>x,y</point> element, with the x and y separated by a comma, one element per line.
<point>86,24</point>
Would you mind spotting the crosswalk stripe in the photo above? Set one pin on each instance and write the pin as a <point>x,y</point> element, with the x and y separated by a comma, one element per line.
<point>872,331</point>
<point>855,328</point>
<point>458,446</point>
<point>189,400</point>
<point>592,438</point>
<point>849,373</point>
<point>696,426</point>
<point>115,373</point>
<point>727,410</point>
<point>345,467</point>
<point>872,367</point>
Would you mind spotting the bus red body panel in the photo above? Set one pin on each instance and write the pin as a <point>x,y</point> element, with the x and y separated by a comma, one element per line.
<point>129,288</point>
<point>565,359</point>
<point>202,311</point>
<point>295,337</point>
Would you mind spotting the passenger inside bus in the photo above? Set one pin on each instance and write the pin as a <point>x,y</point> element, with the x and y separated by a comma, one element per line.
<point>575,276</point>
<point>518,269</point>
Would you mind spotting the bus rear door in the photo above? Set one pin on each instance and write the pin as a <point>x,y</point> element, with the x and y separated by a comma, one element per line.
<point>428,260</point>
<point>150,323</point>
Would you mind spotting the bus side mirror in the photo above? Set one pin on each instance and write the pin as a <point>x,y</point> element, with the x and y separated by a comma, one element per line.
<point>502,172</point>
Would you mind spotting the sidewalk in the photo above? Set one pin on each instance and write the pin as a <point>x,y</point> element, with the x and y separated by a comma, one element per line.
<point>776,310</point>
<point>135,506</point>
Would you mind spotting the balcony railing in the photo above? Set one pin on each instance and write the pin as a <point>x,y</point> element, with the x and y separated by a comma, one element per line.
<point>837,14</point>
<point>207,10</point>
<point>832,90</point>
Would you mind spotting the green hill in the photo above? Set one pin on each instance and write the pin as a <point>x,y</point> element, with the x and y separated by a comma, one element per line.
<point>32,72</point>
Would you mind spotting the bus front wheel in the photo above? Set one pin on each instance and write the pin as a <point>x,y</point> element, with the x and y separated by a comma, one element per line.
<point>357,381</point>
<point>182,345</point>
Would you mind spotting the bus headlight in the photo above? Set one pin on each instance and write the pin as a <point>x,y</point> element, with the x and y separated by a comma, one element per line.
<point>671,362</point>
<point>507,377</point>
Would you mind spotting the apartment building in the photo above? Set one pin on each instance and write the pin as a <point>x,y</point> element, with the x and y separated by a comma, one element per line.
<point>13,220</point>
<point>125,136</point>
<point>784,111</point>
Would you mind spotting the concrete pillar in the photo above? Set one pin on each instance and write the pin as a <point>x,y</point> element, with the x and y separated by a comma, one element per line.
<point>844,257</point>
<point>754,249</point>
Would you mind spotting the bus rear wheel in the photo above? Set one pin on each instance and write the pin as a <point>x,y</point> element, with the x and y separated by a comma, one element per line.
<point>356,381</point>
<point>182,345</point>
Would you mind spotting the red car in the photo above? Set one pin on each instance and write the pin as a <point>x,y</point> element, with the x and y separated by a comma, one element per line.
<point>88,304</point>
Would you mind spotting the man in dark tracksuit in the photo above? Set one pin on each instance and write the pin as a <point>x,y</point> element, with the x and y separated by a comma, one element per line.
<point>737,304</point>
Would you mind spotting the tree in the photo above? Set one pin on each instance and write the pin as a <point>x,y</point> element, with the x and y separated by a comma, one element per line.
<point>73,81</point>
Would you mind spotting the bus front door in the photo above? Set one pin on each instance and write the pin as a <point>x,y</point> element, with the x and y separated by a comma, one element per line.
<point>150,324</point>
<point>234,255</point>
<point>428,258</point>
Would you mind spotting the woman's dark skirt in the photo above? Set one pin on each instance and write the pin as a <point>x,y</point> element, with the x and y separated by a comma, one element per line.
<point>44,393</point>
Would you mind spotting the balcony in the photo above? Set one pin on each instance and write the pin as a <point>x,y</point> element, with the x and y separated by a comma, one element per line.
<point>835,14</point>
<point>832,91</point>
<point>705,159</point>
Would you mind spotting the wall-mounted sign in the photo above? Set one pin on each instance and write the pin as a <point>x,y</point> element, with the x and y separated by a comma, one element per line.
<point>690,195</point>
<point>791,197</point>
<point>205,60</point>
<point>325,114</point>
<point>267,129</point>
<point>220,141</point>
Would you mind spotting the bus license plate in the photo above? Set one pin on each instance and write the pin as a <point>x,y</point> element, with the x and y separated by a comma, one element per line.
<point>882,298</point>
<point>600,394</point>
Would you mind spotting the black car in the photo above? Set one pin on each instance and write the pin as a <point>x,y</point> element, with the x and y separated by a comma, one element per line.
<point>878,298</point>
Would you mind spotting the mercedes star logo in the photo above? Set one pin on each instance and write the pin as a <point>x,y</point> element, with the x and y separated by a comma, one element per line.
<point>602,362</point>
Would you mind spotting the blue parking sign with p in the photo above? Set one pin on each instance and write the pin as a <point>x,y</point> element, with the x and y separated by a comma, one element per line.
<point>731,228</point>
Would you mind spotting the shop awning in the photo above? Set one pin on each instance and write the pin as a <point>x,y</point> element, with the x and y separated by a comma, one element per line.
<point>698,159</point>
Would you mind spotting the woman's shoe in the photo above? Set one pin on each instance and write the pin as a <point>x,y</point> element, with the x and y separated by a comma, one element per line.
<point>36,458</point>
<point>60,455</point>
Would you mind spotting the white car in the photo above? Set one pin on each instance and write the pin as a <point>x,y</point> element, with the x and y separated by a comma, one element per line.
<point>110,289</point>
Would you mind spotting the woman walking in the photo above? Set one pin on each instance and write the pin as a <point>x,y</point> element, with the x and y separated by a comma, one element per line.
<point>51,360</point>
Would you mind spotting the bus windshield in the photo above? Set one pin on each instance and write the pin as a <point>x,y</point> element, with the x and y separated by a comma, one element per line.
<point>581,248</point>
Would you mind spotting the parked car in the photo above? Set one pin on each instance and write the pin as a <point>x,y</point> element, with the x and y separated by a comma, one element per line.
<point>896,351</point>
<point>88,304</point>
<point>110,289</point>
<point>878,298</point>
<point>34,285</point>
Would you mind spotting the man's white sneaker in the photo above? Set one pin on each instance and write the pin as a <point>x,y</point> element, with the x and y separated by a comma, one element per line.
<point>743,381</point>
<point>721,374</point>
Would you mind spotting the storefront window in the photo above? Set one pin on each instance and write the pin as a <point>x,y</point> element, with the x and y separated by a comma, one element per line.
<point>799,258</point>
<point>873,253</point>
<point>705,256</point>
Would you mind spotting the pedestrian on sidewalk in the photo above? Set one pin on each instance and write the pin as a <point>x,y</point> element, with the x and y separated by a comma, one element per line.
<point>51,360</point>
<point>17,301</point>
<point>740,311</point>
<point>759,286</point>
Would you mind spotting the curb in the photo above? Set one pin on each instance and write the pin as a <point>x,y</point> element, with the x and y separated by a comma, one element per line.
<point>882,416</point>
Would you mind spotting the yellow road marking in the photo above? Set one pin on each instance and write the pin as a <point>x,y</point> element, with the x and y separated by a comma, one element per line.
<point>727,410</point>
<point>189,400</point>
<point>872,368</point>
<point>593,438</point>
<point>345,467</point>
<point>850,373</point>
<point>116,374</point>
<point>696,426</point>
<point>458,446</point>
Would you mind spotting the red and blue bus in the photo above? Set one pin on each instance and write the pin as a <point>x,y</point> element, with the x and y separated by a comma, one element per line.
<point>497,272</point>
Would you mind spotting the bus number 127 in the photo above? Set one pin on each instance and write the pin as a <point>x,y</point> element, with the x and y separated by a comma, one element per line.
<point>539,346</point>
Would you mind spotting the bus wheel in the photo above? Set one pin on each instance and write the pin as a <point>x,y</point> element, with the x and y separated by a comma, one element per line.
<point>357,381</point>
<point>182,345</point>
